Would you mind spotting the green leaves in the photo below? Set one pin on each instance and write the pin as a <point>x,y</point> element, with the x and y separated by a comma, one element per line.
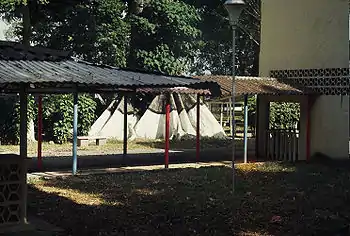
<point>161,59</point>
<point>58,116</point>
<point>215,45</point>
<point>284,115</point>
<point>93,30</point>
<point>164,36</point>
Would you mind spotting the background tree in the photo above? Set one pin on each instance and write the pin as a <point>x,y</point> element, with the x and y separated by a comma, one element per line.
<point>20,9</point>
<point>164,35</point>
<point>171,36</point>
<point>92,30</point>
<point>215,52</point>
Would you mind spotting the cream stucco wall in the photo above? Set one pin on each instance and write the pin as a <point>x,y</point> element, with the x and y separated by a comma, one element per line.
<point>302,34</point>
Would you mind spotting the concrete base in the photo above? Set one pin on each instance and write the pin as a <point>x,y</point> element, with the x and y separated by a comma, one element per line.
<point>13,230</point>
<point>34,227</point>
<point>83,142</point>
<point>100,142</point>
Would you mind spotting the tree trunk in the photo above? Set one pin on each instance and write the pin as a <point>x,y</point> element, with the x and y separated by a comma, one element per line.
<point>26,25</point>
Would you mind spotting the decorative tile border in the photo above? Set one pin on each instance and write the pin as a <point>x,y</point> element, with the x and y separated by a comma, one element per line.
<point>328,81</point>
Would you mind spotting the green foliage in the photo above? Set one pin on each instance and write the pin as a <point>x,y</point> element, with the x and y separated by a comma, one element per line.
<point>161,59</point>
<point>164,36</point>
<point>11,4</point>
<point>58,116</point>
<point>92,30</point>
<point>10,118</point>
<point>215,51</point>
<point>283,115</point>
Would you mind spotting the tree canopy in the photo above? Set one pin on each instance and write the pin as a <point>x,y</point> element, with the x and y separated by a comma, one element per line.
<point>171,36</point>
<point>164,36</point>
<point>215,53</point>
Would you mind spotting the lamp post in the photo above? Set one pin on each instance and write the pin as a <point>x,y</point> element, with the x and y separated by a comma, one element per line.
<point>234,9</point>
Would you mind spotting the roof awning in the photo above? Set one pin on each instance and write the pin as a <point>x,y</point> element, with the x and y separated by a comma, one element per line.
<point>254,85</point>
<point>49,71</point>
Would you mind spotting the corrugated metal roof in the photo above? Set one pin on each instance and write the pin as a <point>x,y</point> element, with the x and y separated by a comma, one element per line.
<point>182,90</point>
<point>253,85</point>
<point>42,68</point>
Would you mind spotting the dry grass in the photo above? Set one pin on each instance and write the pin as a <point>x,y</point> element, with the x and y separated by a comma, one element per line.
<point>270,199</point>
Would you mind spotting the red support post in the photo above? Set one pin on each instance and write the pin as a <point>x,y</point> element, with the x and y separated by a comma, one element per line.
<point>40,130</point>
<point>308,130</point>
<point>167,131</point>
<point>198,129</point>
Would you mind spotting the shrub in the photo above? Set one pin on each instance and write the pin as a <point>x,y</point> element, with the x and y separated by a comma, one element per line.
<point>283,115</point>
<point>58,116</point>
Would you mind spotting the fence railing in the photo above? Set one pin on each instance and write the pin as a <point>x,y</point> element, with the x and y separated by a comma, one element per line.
<point>282,145</point>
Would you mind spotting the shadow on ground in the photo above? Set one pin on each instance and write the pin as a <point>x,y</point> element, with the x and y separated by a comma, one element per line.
<point>270,199</point>
<point>132,159</point>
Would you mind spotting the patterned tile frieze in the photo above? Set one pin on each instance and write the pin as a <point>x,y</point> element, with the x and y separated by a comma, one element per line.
<point>329,81</point>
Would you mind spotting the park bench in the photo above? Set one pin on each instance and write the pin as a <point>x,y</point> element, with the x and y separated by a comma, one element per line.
<point>85,140</point>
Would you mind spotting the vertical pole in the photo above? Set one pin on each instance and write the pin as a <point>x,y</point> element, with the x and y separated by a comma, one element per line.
<point>230,117</point>
<point>40,130</point>
<point>167,130</point>
<point>75,134</point>
<point>23,124</point>
<point>125,130</point>
<point>233,103</point>
<point>308,130</point>
<point>221,112</point>
<point>295,149</point>
<point>245,138</point>
<point>198,128</point>
<point>23,150</point>
<point>257,138</point>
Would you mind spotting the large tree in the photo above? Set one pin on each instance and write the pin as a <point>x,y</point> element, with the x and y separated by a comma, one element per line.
<point>164,35</point>
<point>92,30</point>
<point>215,53</point>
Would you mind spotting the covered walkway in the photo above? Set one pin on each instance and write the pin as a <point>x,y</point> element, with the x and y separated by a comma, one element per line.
<point>35,70</point>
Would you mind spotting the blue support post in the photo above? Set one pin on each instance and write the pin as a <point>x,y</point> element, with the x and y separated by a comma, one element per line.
<point>245,138</point>
<point>75,134</point>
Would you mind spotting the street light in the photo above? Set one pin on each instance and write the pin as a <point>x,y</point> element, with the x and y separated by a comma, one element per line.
<point>234,9</point>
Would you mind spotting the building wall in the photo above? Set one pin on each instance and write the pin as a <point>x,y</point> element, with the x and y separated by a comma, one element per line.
<point>302,34</point>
